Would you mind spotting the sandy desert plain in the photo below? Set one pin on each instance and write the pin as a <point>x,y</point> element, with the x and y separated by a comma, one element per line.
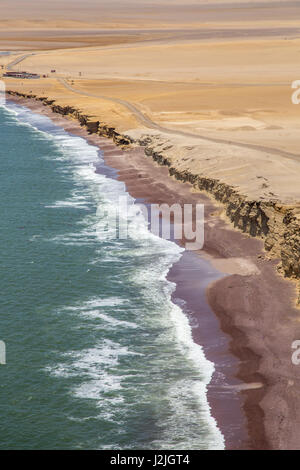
<point>207,85</point>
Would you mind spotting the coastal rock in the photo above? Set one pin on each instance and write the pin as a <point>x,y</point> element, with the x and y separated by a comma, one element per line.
<point>277,224</point>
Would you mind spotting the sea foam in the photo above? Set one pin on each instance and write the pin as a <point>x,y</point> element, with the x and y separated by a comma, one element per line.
<point>115,371</point>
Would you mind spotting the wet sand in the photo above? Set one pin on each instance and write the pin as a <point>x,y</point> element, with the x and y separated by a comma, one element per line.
<point>250,338</point>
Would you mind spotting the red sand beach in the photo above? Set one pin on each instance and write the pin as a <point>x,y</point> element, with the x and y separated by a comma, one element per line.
<point>247,321</point>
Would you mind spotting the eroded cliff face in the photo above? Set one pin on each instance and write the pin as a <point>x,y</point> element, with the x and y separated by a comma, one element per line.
<point>277,224</point>
<point>93,127</point>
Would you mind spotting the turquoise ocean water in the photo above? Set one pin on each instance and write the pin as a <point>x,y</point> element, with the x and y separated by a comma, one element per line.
<point>98,356</point>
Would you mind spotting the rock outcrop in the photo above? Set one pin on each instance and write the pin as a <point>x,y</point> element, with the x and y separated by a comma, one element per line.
<point>92,126</point>
<point>277,224</point>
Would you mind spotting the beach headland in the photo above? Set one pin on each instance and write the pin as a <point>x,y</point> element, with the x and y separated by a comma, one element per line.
<point>257,319</point>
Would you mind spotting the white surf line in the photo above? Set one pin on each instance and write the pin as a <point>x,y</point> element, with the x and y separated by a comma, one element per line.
<point>180,320</point>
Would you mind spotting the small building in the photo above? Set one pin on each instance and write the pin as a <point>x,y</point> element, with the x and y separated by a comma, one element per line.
<point>22,75</point>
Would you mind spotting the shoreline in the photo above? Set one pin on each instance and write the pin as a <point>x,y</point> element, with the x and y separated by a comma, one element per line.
<point>225,244</point>
<point>230,418</point>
